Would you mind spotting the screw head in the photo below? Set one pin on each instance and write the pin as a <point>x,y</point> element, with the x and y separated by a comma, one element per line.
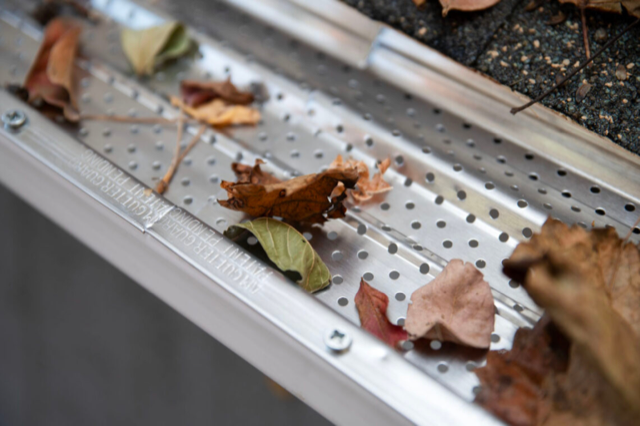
<point>14,119</point>
<point>337,340</point>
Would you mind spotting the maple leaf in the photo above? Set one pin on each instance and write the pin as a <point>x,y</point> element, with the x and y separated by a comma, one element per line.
<point>372,310</point>
<point>50,81</point>
<point>310,198</point>
<point>588,283</point>
<point>367,187</point>
<point>195,93</point>
<point>255,175</point>
<point>457,306</point>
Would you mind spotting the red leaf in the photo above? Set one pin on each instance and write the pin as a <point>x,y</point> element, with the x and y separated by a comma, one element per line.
<point>372,309</point>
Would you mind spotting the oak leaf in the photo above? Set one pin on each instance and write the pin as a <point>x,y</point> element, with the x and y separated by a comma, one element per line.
<point>588,283</point>
<point>367,187</point>
<point>457,306</point>
<point>150,47</point>
<point>253,174</point>
<point>310,198</point>
<point>195,93</point>
<point>50,81</point>
<point>290,251</point>
<point>219,113</point>
<point>372,310</point>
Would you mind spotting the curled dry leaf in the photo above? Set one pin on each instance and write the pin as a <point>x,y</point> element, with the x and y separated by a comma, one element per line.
<point>310,198</point>
<point>615,6</point>
<point>367,187</point>
<point>290,251</point>
<point>372,310</point>
<point>589,285</point>
<point>511,381</point>
<point>195,93</point>
<point>50,80</point>
<point>457,306</point>
<point>255,175</point>
<point>150,47</point>
<point>466,5</point>
<point>218,113</point>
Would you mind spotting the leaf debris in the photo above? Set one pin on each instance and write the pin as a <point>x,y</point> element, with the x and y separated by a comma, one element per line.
<point>50,80</point>
<point>457,306</point>
<point>148,48</point>
<point>372,309</point>
<point>289,250</point>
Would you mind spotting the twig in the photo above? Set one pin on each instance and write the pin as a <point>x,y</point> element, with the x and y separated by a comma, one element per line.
<point>166,179</point>
<point>193,142</point>
<point>585,32</point>
<point>178,157</point>
<point>616,264</point>
<point>576,71</point>
<point>136,120</point>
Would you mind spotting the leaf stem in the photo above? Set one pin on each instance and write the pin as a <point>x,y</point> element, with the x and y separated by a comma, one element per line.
<point>166,179</point>
<point>164,183</point>
<point>577,70</point>
<point>136,120</point>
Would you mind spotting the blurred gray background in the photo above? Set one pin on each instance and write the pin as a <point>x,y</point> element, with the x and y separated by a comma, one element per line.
<point>82,344</point>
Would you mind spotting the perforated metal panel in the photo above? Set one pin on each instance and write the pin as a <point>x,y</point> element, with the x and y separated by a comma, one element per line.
<point>459,190</point>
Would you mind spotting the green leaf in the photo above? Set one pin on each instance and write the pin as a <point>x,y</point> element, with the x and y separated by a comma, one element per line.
<point>289,250</point>
<point>148,48</point>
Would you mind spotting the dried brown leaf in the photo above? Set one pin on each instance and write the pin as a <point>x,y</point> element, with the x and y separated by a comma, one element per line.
<point>367,187</point>
<point>372,309</point>
<point>50,80</point>
<point>248,174</point>
<point>303,199</point>
<point>219,113</point>
<point>588,283</point>
<point>615,6</point>
<point>195,93</point>
<point>457,306</point>
<point>466,5</point>
<point>512,381</point>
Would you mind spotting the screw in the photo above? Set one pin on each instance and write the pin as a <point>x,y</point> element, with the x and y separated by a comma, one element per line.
<point>337,340</point>
<point>14,119</point>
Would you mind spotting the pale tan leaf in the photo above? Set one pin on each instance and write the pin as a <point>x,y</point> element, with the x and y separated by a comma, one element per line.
<point>220,114</point>
<point>457,306</point>
<point>466,5</point>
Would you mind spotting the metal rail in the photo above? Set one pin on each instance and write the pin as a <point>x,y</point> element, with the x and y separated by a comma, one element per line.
<point>470,181</point>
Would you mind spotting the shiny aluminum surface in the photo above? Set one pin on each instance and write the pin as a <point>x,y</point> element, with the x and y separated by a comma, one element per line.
<point>460,190</point>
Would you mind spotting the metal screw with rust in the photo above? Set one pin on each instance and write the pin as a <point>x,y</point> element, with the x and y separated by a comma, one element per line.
<point>14,119</point>
<point>337,340</point>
